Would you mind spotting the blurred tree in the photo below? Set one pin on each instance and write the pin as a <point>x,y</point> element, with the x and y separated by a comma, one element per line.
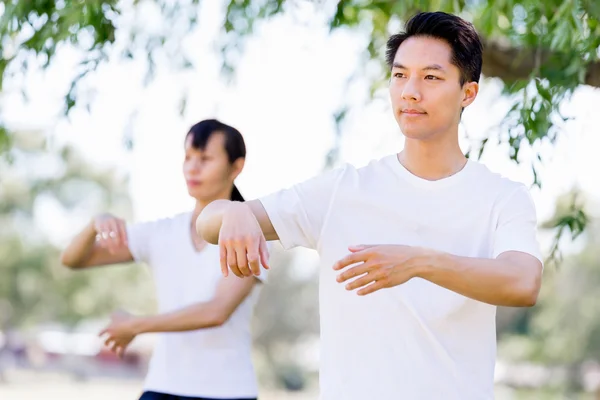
<point>286,318</point>
<point>567,215</point>
<point>34,288</point>
<point>540,51</point>
<point>564,328</point>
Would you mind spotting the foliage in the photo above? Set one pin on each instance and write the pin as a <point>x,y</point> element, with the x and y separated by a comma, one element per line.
<point>563,329</point>
<point>34,286</point>
<point>287,316</point>
<point>541,51</point>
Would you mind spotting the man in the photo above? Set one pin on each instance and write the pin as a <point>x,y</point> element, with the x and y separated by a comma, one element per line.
<point>430,241</point>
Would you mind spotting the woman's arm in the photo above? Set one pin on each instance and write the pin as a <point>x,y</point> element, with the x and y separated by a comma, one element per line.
<point>230,293</point>
<point>103,241</point>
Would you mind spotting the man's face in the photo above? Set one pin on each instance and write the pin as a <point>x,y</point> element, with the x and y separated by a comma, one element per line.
<point>425,89</point>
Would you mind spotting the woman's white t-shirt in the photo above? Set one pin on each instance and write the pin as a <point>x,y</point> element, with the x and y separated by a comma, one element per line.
<point>212,362</point>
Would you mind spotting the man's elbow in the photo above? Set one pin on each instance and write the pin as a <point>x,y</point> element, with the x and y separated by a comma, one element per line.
<point>528,299</point>
<point>203,228</point>
<point>529,291</point>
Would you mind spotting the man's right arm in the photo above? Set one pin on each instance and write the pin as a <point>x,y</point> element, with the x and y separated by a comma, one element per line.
<point>294,216</point>
<point>241,230</point>
<point>208,224</point>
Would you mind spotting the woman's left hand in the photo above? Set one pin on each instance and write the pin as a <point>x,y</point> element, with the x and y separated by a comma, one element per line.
<point>120,333</point>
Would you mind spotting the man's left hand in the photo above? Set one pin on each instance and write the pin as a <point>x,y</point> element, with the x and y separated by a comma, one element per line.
<point>380,266</point>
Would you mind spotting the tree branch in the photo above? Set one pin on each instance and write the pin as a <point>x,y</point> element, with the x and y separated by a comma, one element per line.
<point>511,63</point>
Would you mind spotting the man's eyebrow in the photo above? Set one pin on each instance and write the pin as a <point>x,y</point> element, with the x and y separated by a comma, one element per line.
<point>432,67</point>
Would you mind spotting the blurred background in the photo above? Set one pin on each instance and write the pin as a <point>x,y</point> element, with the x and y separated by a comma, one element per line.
<point>97,96</point>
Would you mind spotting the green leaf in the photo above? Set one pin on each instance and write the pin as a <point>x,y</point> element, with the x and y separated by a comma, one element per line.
<point>5,141</point>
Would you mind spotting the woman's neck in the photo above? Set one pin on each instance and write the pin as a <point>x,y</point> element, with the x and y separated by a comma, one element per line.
<point>198,209</point>
<point>200,204</point>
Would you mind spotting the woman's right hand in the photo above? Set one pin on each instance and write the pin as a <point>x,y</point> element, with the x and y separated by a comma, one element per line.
<point>110,232</point>
<point>242,244</point>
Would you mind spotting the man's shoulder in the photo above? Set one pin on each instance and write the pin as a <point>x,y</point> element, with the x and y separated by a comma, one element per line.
<point>496,183</point>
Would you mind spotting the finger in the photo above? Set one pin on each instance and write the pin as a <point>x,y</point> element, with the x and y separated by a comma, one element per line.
<point>361,281</point>
<point>109,341</point>
<point>361,247</point>
<point>122,231</point>
<point>114,237</point>
<point>263,250</point>
<point>114,347</point>
<point>103,332</point>
<point>223,259</point>
<point>350,259</point>
<point>101,234</point>
<point>371,288</point>
<point>232,261</point>
<point>353,272</point>
<point>253,258</point>
<point>242,258</point>
<point>120,350</point>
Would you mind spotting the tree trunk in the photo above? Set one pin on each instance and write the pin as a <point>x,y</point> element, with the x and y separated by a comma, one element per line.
<point>510,63</point>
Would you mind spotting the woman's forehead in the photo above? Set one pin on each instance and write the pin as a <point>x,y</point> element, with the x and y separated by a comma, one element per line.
<point>215,143</point>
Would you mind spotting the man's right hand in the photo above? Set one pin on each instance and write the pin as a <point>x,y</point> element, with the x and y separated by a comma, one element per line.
<point>110,232</point>
<point>242,244</point>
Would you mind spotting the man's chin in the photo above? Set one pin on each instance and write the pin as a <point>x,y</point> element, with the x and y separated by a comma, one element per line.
<point>416,134</point>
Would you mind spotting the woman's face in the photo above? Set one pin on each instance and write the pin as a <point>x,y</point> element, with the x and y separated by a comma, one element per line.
<point>207,172</point>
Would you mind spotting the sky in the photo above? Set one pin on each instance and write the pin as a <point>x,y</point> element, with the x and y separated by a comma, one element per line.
<point>288,84</point>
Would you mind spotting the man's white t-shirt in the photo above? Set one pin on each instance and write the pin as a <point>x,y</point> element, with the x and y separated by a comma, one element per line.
<point>212,362</point>
<point>416,341</point>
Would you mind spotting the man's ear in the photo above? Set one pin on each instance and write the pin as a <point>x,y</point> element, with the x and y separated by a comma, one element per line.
<point>470,90</point>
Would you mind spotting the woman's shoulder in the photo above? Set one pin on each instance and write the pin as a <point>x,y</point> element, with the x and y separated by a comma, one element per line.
<point>164,225</point>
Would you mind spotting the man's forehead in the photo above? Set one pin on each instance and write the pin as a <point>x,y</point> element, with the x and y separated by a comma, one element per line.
<point>421,52</point>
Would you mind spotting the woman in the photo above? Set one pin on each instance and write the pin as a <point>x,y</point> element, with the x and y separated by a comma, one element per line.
<point>204,345</point>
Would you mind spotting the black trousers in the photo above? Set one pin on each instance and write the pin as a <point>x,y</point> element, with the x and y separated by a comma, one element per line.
<point>164,396</point>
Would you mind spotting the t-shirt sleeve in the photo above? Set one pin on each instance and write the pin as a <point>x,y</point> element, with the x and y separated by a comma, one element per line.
<point>139,236</point>
<point>299,212</point>
<point>517,226</point>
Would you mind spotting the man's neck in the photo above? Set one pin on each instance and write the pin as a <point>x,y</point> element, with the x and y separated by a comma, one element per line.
<point>432,160</point>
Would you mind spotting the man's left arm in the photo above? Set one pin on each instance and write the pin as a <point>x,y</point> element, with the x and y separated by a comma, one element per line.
<point>511,277</point>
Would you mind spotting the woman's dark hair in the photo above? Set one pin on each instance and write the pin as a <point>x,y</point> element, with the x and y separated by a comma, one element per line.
<point>459,34</point>
<point>234,143</point>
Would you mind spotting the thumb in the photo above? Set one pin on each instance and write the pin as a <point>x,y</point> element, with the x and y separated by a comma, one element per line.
<point>120,316</point>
